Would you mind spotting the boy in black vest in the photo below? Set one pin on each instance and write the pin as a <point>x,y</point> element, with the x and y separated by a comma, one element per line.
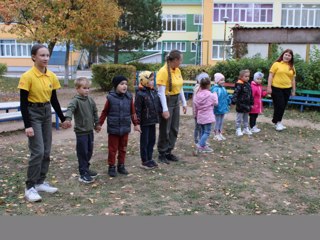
<point>119,108</point>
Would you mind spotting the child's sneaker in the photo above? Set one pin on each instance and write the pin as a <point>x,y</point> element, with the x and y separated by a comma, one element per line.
<point>254,129</point>
<point>147,165</point>
<point>45,187</point>
<point>122,169</point>
<point>32,195</point>
<point>247,131</point>
<point>222,137</point>
<point>112,171</point>
<point>217,137</point>
<point>279,126</point>
<point>155,164</point>
<point>239,132</point>
<point>86,178</point>
<point>204,149</point>
<point>92,173</point>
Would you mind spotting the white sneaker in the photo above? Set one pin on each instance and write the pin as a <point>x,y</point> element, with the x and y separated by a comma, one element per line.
<point>31,195</point>
<point>217,137</point>
<point>247,131</point>
<point>284,127</point>
<point>239,132</point>
<point>279,126</point>
<point>222,137</point>
<point>205,149</point>
<point>45,187</point>
<point>255,129</point>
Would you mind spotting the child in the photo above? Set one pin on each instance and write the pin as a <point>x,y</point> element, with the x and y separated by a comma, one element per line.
<point>86,119</point>
<point>119,109</point>
<point>197,128</point>
<point>257,94</point>
<point>223,106</point>
<point>203,108</point>
<point>148,108</point>
<point>243,99</point>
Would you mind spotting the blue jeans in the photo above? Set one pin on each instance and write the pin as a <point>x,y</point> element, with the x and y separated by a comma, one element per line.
<point>84,151</point>
<point>147,142</point>
<point>197,132</point>
<point>219,123</point>
<point>205,133</point>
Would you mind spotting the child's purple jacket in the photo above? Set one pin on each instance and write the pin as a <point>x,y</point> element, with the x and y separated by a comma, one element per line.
<point>204,103</point>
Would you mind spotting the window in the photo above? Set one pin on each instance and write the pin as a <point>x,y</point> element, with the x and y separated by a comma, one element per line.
<point>217,50</point>
<point>197,19</point>
<point>244,12</point>
<point>168,46</point>
<point>157,47</point>
<point>12,48</point>
<point>174,23</point>
<point>300,15</point>
<point>196,46</point>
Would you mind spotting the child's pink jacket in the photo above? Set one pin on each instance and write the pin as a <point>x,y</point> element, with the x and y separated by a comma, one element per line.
<point>203,106</point>
<point>257,94</point>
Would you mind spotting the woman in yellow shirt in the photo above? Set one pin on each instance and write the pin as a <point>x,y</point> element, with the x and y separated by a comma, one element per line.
<point>281,85</point>
<point>169,83</point>
<point>37,93</point>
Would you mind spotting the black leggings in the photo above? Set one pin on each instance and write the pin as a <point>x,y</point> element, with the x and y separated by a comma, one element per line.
<point>280,98</point>
<point>253,119</point>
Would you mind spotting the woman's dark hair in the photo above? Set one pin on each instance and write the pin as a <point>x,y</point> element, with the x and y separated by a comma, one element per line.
<point>173,54</point>
<point>35,49</point>
<point>291,62</point>
<point>204,83</point>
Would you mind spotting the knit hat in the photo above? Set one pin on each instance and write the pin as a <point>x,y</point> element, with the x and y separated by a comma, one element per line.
<point>145,77</point>
<point>118,79</point>
<point>258,75</point>
<point>218,77</point>
<point>202,76</point>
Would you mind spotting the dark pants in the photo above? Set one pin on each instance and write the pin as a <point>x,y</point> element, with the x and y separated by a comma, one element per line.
<point>169,128</point>
<point>84,151</point>
<point>39,145</point>
<point>147,142</point>
<point>280,98</point>
<point>116,144</point>
<point>253,119</point>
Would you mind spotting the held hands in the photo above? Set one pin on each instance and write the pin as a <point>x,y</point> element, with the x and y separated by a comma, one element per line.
<point>184,108</point>
<point>97,128</point>
<point>166,115</point>
<point>29,132</point>
<point>66,124</point>
<point>269,90</point>
<point>137,128</point>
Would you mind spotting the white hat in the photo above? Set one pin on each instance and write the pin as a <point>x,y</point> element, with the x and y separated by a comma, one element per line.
<point>202,76</point>
<point>218,77</point>
<point>258,75</point>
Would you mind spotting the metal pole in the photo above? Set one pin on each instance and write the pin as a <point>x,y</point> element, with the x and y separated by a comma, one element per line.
<point>225,19</point>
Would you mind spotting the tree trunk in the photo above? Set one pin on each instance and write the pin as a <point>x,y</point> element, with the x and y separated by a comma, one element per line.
<point>51,47</point>
<point>66,64</point>
<point>116,50</point>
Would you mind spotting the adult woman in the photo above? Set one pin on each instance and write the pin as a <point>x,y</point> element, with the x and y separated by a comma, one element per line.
<point>169,82</point>
<point>37,92</point>
<point>281,84</point>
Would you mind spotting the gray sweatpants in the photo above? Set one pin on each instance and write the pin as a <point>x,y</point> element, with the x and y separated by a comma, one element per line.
<point>39,144</point>
<point>242,118</point>
<point>169,128</point>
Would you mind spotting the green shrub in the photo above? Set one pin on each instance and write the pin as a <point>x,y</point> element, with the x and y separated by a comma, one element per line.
<point>146,66</point>
<point>3,69</point>
<point>191,71</point>
<point>102,75</point>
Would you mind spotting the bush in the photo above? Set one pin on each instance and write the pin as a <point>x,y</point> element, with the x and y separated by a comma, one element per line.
<point>191,71</point>
<point>146,66</point>
<point>3,69</point>
<point>102,74</point>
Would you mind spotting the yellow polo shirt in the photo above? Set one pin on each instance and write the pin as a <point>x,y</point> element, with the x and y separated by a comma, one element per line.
<point>282,76</point>
<point>177,81</point>
<point>39,85</point>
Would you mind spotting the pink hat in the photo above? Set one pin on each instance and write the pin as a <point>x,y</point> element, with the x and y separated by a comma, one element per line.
<point>218,77</point>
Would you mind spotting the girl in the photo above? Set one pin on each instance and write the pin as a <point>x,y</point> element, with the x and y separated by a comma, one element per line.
<point>204,103</point>
<point>223,105</point>
<point>281,84</point>
<point>169,83</point>
<point>257,94</point>
<point>243,99</point>
<point>37,93</point>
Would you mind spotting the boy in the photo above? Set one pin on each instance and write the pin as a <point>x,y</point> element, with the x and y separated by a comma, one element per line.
<point>86,119</point>
<point>119,109</point>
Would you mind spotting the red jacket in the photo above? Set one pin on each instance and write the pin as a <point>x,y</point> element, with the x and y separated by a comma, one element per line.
<point>257,94</point>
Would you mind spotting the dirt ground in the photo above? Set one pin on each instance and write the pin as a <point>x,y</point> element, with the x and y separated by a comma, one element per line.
<point>267,173</point>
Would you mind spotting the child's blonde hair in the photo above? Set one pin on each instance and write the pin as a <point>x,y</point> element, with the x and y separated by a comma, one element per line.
<point>243,72</point>
<point>81,81</point>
